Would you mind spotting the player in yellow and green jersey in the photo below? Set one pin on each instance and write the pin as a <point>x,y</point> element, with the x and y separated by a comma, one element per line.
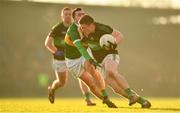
<point>80,63</point>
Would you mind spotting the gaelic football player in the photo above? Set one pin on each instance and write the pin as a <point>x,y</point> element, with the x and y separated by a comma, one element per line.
<point>80,63</point>
<point>55,44</point>
<point>108,58</point>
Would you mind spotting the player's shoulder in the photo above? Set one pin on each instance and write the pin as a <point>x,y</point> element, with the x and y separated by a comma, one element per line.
<point>103,27</point>
<point>72,28</point>
<point>57,26</point>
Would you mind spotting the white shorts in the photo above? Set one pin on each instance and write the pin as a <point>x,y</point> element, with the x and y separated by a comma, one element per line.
<point>75,66</point>
<point>109,58</point>
<point>59,65</point>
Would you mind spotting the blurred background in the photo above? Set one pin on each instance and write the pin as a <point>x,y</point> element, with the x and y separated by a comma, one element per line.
<point>150,51</point>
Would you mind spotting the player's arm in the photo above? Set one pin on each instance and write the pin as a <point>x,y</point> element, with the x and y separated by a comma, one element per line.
<point>78,44</point>
<point>81,49</point>
<point>75,38</point>
<point>49,44</point>
<point>117,35</point>
<point>114,32</point>
<point>84,53</point>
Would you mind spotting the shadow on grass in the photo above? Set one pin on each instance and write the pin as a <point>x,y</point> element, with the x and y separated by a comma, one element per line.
<point>166,109</point>
<point>169,109</point>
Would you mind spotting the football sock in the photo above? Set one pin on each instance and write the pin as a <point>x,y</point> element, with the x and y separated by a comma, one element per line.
<point>129,92</point>
<point>104,94</point>
<point>87,95</point>
<point>141,100</point>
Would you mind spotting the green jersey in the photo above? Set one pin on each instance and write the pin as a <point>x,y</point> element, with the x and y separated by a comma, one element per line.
<point>74,48</point>
<point>58,33</point>
<point>93,42</point>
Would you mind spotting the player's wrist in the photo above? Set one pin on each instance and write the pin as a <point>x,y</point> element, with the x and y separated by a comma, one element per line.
<point>59,53</point>
<point>94,63</point>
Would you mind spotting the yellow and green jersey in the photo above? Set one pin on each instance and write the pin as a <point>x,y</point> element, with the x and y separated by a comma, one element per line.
<point>74,48</point>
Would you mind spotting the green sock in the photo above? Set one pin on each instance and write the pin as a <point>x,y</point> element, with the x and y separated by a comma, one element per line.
<point>141,100</point>
<point>104,93</point>
<point>87,95</point>
<point>129,92</point>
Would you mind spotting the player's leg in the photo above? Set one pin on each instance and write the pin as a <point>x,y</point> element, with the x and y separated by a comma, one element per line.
<point>76,68</point>
<point>135,97</point>
<point>89,81</point>
<point>100,81</point>
<point>85,90</point>
<point>118,90</point>
<point>96,75</point>
<point>111,67</point>
<point>110,64</point>
<point>115,87</point>
<point>60,81</point>
<point>61,78</point>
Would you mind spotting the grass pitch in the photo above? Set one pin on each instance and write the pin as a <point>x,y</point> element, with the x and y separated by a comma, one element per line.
<point>74,105</point>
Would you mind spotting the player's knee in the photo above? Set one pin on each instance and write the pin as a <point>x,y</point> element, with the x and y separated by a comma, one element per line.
<point>61,79</point>
<point>110,73</point>
<point>56,83</point>
<point>60,83</point>
<point>117,90</point>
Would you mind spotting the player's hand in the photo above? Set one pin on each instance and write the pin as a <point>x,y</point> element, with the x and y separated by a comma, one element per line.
<point>94,63</point>
<point>59,53</point>
<point>112,46</point>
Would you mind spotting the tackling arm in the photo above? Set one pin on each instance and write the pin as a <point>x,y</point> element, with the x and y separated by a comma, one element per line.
<point>81,49</point>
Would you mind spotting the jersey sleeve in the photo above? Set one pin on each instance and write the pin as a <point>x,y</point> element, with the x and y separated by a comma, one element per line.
<point>54,31</point>
<point>106,29</point>
<point>82,50</point>
<point>74,35</point>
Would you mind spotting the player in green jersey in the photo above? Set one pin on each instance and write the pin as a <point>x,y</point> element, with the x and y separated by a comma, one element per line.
<point>80,63</point>
<point>108,58</point>
<point>55,44</point>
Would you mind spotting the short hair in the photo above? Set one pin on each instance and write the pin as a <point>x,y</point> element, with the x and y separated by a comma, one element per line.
<point>86,19</point>
<point>65,9</point>
<point>75,10</point>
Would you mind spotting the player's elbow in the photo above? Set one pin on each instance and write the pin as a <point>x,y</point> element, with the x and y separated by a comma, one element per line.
<point>118,36</point>
<point>119,39</point>
<point>47,42</point>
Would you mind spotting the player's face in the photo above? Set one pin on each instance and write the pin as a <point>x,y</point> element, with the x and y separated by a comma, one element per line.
<point>66,16</point>
<point>87,29</point>
<point>78,15</point>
